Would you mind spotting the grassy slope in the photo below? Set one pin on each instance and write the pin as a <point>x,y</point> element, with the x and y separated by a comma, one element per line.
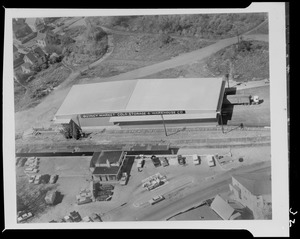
<point>212,26</point>
<point>51,77</point>
<point>248,65</point>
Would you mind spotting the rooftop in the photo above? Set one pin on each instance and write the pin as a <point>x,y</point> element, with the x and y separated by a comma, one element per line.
<point>222,208</point>
<point>200,94</point>
<point>200,213</point>
<point>102,156</point>
<point>106,170</point>
<point>257,183</point>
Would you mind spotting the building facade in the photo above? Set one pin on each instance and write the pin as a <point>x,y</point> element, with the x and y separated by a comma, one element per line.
<point>253,191</point>
<point>106,166</point>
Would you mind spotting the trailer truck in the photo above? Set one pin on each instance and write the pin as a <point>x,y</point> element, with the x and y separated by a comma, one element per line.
<point>242,100</point>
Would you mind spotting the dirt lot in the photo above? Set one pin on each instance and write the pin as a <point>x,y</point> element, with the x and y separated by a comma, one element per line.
<point>74,174</point>
<point>250,115</point>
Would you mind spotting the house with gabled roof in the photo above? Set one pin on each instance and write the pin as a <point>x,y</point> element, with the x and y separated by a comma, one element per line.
<point>26,67</point>
<point>222,208</point>
<point>253,190</point>
<point>47,38</point>
<point>36,56</point>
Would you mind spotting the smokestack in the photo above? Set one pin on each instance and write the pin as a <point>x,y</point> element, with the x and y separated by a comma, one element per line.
<point>107,163</point>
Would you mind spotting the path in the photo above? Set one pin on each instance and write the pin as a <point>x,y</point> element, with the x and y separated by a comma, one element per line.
<point>42,114</point>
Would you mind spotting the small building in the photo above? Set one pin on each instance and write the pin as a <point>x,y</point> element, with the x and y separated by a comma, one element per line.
<point>47,38</point>
<point>222,208</point>
<point>253,190</point>
<point>107,165</point>
<point>26,67</point>
<point>37,56</point>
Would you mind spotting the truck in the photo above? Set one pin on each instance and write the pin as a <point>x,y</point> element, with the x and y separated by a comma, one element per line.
<point>242,100</point>
<point>50,197</point>
<point>124,179</point>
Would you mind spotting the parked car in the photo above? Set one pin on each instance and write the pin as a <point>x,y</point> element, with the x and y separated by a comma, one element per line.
<point>155,161</point>
<point>67,219</point>
<point>106,187</point>
<point>210,160</point>
<point>31,178</point>
<point>95,217</point>
<point>181,160</point>
<point>22,216</point>
<point>156,199</point>
<point>105,192</point>
<point>164,162</point>
<point>104,198</point>
<point>124,178</point>
<point>83,200</point>
<point>196,159</point>
<point>37,179</point>
<point>75,216</point>
<point>87,219</point>
<point>53,178</point>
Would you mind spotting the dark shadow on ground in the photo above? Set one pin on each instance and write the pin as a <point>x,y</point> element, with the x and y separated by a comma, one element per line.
<point>59,198</point>
<point>128,165</point>
<point>230,91</point>
<point>45,178</point>
<point>227,111</point>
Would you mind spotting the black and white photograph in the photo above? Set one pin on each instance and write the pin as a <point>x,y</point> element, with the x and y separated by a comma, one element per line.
<point>154,115</point>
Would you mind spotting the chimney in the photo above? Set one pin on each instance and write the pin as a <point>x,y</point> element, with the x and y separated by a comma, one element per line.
<point>107,163</point>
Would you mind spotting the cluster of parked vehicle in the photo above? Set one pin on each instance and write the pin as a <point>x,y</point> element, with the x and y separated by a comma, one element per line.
<point>154,181</point>
<point>104,192</point>
<point>32,165</point>
<point>37,178</point>
<point>159,161</point>
<point>75,217</point>
<point>23,216</point>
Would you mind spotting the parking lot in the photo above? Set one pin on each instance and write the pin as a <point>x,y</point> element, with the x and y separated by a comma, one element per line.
<point>74,174</point>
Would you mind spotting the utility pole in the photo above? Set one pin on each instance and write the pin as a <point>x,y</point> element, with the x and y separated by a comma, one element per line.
<point>164,125</point>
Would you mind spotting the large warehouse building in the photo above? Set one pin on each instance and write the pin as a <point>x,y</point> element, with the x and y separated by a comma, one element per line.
<point>144,103</point>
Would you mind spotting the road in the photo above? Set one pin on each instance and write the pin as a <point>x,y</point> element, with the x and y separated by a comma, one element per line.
<point>169,208</point>
<point>42,114</point>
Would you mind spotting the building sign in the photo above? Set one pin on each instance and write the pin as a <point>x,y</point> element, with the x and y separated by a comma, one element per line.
<point>141,113</point>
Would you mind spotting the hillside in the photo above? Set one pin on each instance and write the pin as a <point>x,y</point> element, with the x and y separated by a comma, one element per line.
<point>91,44</point>
<point>249,62</point>
<point>209,26</point>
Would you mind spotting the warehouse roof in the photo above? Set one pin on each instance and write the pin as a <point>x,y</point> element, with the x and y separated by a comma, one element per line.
<point>144,95</point>
<point>175,94</point>
<point>99,97</point>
